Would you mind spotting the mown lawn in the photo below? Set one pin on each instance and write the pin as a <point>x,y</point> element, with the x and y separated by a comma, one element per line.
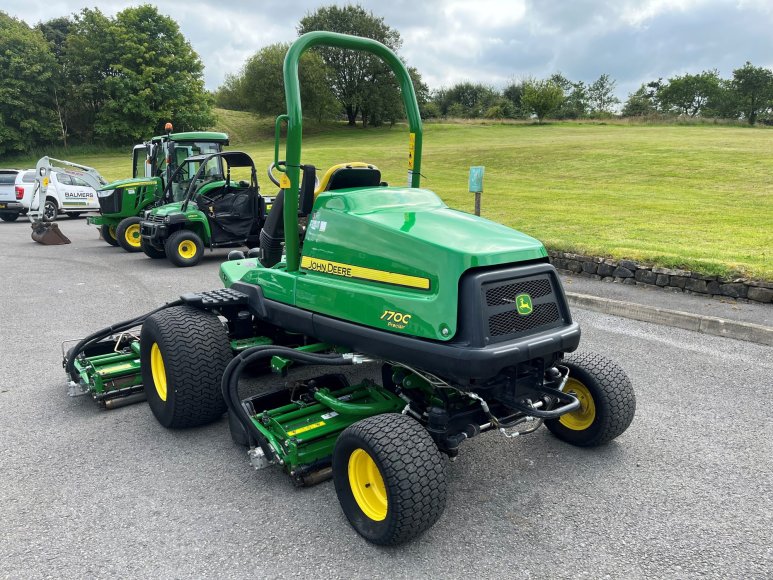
<point>699,197</point>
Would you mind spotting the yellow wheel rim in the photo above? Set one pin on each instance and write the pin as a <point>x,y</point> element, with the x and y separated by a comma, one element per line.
<point>367,485</point>
<point>583,417</point>
<point>186,249</point>
<point>132,235</point>
<point>111,231</point>
<point>158,371</point>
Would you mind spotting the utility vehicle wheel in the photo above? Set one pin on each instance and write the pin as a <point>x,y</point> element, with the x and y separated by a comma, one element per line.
<point>390,478</point>
<point>183,353</point>
<point>73,214</point>
<point>50,210</point>
<point>184,248</point>
<point>9,217</point>
<point>152,251</point>
<point>108,234</point>
<point>128,234</point>
<point>607,401</point>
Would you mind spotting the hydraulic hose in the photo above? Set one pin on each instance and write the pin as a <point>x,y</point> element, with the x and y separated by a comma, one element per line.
<point>233,372</point>
<point>105,332</point>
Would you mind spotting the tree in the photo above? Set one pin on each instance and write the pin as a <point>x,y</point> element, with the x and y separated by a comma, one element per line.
<point>753,88</point>
<point>26,69</point>
<point>689,95</point>
<point>135,72</point>
<point>575,103</point>
<point>639,103</point>
<point>541,98</point>
<point>601,96</point>
<point>514,94</point>
<point>260,85</point>
<point>354,75</point>
<point>474,99</point>
<point>56,32</point>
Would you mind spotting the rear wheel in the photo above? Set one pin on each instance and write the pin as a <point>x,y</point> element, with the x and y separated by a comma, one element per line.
<point>184,352</point>
<point>151,251</point>
<point>184,248</point>
<point>50,210</point>
<point>9,217</point>
<point>108,234</point>
<point>128,234</point>
<point>390,478</point>
<point>607,401</point>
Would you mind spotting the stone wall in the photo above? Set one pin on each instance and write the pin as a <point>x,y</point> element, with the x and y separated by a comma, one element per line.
<point>630,272</point>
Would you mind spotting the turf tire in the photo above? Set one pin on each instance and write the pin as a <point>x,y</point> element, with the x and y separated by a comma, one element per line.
<point>195,350</point>
<point>612,394</point>
<point>173,244</point>
<point>121,234</point>
<point>413,470</point>
<point>151,251</point>
<point>108,236</point>
<point>9,217</point>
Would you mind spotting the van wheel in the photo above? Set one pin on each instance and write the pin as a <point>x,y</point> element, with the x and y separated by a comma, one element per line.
<point>50,210</point>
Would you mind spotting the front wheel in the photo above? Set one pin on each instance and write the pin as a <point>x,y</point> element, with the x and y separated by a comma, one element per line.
<point>607,401</point>
<point>128,234</point>
<point>183,354</point>
<point>151,251</point>
<point>390,478</point>
<point>108,234</point>
<point>184,248</point>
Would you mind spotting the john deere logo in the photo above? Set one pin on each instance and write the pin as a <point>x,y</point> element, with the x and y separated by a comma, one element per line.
<point>523,304</point>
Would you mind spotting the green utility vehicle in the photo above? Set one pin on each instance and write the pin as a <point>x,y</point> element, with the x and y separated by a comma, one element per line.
<point>207,209</point>
<point>123,202</point>
<point>464,319</point>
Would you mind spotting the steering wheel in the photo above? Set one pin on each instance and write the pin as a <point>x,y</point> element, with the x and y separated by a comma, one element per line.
<point>275,181</point>
<point>271,167</point>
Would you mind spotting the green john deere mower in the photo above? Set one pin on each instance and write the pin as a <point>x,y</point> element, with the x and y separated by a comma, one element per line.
<point>465,319</point>
<point>208,208</point>
<point>123,202</point>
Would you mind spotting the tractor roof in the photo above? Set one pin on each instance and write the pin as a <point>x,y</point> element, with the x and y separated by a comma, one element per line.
<point>233,158</point>
<point>196,136</point>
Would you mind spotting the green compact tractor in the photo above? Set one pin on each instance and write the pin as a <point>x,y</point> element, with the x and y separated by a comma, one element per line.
<point>464,319</point>
<point>123,202</point>
<point>208,209</point>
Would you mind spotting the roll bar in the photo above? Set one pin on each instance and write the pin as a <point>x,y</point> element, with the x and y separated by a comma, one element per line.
<point>294,118</point>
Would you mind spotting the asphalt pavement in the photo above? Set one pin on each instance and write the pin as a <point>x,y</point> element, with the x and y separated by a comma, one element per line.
<point>686,492</point>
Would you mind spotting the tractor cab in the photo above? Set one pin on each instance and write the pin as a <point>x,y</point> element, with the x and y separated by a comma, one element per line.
<point>212,201</point>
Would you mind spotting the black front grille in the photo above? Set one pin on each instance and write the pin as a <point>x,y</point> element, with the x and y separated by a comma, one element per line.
<point>500,311</point>
<point>110,203</point>
<point>156,219</point>
<point>506,294</point>
<point>511,323</point>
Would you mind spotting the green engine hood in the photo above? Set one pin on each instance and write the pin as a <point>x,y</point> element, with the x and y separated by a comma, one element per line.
<point>132,182</point>
<point>390,258</point>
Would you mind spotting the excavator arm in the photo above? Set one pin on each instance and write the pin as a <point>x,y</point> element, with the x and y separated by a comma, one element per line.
<point>44,231</point>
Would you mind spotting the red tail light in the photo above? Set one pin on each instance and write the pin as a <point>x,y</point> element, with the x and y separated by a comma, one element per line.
<point>19,192</point>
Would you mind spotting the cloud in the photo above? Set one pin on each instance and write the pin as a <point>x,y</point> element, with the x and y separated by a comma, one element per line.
<point>490,41</point>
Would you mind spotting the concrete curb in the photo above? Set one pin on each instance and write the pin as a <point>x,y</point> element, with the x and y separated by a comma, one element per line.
<point>695,322</point>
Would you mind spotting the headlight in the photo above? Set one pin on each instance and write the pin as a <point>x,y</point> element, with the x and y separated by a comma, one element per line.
<point>167,219</point>
<point>105,192</point>
<point>146,215</point>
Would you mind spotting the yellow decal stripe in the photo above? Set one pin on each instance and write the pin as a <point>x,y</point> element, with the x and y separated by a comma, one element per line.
<point>349,271</point>
<point>115,369</point>
<point>300,430</point>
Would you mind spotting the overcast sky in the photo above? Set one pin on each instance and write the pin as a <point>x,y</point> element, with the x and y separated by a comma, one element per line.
<point>490,41</point>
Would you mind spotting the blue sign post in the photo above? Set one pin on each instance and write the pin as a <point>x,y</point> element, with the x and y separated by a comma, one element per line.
<point>476,184</point>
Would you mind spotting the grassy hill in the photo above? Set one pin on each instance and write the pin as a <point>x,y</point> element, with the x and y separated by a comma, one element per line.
<point>699,197</point>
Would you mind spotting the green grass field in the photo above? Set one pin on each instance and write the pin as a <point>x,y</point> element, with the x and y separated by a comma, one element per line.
<point>699,197</point>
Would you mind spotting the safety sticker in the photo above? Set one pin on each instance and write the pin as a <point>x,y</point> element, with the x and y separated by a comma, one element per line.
<point>305,428</point>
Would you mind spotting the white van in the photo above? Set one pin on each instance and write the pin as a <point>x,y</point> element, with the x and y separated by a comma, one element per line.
<point>67,193</point>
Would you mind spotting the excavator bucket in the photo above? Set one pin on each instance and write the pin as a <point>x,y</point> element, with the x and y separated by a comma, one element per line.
<point>48,234</point>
